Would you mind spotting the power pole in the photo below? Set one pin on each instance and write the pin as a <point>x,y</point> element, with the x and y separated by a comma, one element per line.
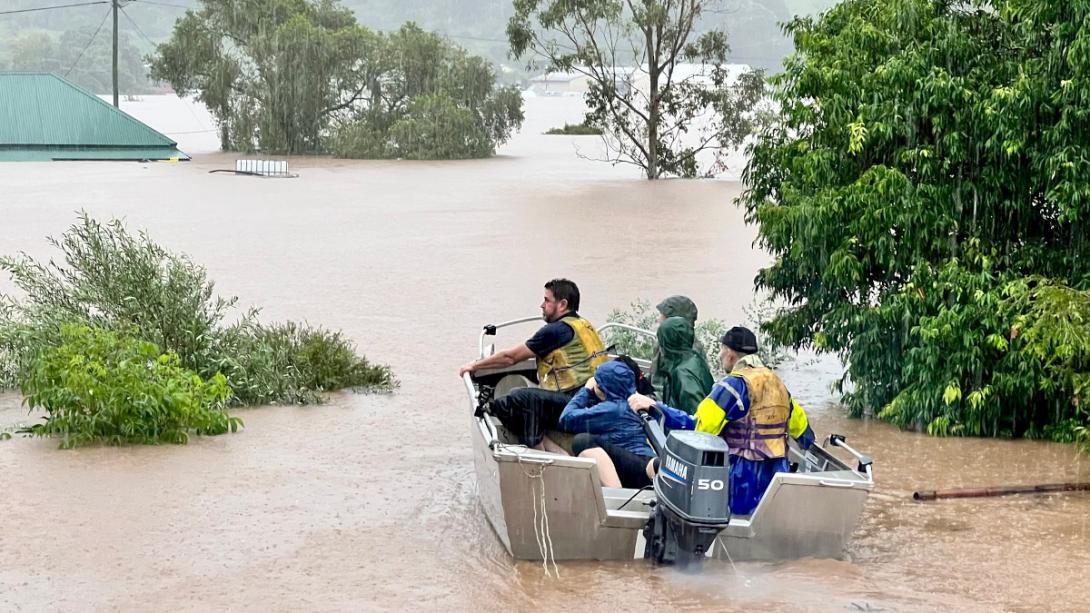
<point>115,54</point>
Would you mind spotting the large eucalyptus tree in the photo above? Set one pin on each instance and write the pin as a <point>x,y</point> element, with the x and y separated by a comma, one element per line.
<point>655,112</point>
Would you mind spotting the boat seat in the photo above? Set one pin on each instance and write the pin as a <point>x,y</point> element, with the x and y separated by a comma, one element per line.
<point>563,439</point>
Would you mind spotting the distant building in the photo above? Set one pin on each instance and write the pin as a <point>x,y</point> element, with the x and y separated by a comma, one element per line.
<point>693,73</point>
<point>43,118</point>
<point>559,84</point>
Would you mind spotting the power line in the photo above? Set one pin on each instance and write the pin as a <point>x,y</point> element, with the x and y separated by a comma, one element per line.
<point>137,27</point>
<point>177,6</point>
<point>50,8</point>
<point>477,38</point>
<point>88,45</point>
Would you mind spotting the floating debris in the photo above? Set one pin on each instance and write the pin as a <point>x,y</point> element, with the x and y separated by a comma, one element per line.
<point>260,168</point>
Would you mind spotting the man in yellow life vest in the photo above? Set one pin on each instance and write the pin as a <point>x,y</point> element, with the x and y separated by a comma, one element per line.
<point>752,410</point>
<point>567,350</point>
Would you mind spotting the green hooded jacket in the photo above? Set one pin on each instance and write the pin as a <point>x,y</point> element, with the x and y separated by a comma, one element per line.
<point>685,374</point>
<point>676,306</point>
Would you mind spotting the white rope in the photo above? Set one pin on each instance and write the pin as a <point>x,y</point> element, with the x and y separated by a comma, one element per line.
<point>545,528</point>
<point>541,526</point>
<point>723,544</point>
<point>719,539</point>
<point>538,537</point>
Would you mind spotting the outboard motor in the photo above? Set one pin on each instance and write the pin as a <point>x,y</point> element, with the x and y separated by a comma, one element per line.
<point>691,488</point>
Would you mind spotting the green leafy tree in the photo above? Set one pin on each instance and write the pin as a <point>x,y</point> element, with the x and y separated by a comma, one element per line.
<point>924,191</point>
<point>302,76</point>
<point>428,100</point>
<point>82,58</point>
<point>35,52</point>
<point>655,112</point>
<point>272,72</point>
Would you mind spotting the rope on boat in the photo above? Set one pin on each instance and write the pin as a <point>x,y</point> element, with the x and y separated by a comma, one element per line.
<point>719,539</point>
<point>541,525</point>
<point>546,535</point>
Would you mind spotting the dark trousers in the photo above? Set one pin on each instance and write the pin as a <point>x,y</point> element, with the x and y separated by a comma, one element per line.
<point>529,412</point>
<point>631,468</point>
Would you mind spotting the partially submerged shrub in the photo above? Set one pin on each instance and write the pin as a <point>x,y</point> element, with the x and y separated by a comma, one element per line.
<point>642,314</point>
<point>292,363</point>
<point>111,280</point>
<point>576,129</point>
<point>109,275</point>
<point>98,386</point>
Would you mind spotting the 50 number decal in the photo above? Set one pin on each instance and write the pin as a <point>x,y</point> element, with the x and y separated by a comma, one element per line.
<point>709,484</point>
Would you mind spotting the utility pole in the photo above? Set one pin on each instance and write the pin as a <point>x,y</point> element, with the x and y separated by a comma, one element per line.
<point>115,54</point>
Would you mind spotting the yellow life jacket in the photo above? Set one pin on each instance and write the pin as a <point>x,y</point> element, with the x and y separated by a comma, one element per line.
<point>570,366</point>
<point>762,433</point>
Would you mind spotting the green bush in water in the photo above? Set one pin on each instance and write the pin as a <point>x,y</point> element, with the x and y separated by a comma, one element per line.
<point>292,363</point>
<point>113,280</point>
<point>708,331</point>
<point>98,386</point>
<point>437,128</point>
<point>576,129</point>
<point>109,276</point>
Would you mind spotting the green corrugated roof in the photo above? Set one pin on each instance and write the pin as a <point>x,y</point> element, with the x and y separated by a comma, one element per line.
<point>42,114</point>
<point>47,154</point>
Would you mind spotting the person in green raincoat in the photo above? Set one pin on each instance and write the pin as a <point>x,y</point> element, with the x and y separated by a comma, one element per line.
<point>685,374</point>
<point>675,306</point>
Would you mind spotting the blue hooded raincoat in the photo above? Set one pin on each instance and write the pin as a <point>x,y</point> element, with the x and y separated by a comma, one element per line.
<point>610,419</point>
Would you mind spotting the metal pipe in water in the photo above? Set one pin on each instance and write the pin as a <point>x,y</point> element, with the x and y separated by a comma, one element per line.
<point>985,492</point>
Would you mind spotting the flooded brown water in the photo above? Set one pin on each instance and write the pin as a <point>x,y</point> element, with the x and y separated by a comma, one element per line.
<point>368,502</point>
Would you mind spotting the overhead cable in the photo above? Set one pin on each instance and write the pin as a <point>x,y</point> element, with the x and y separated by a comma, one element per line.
<point>50,8</point>
<point>88,45</point>
<point>137,27</point>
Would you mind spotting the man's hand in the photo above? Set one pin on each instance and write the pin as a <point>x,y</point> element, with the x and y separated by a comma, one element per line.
<point>639,402</point>
<point>591,384</point>
<point>503,359</point>
<point>468,367</point>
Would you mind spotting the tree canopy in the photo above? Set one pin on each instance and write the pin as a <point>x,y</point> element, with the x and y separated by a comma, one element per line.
<point>81,57</point>
<point>659,88</point>
<point>302,76</point>
<point>924,191</point>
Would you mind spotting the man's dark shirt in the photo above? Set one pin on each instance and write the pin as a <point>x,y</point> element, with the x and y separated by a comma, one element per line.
<point>551,337</point>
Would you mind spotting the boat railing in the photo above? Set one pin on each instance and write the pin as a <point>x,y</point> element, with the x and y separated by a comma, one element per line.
<point>490,330</point>
<point>865,462</point>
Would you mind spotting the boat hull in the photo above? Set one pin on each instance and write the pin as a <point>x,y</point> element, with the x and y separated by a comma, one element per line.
<point>541,503</point>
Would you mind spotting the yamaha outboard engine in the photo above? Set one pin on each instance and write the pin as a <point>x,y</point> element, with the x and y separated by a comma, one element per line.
<point>691,488</point>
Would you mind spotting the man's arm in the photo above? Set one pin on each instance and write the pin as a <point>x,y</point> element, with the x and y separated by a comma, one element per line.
<point>798,426</point>
<point>507,357</point>
<point>675,419</point>
<point>728,401</point>
<point>585,413</point>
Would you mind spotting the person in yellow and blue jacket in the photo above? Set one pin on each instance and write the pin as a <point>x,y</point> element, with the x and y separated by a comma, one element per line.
<point>752,410</point>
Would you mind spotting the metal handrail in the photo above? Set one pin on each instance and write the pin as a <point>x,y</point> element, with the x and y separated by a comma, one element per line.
<point>490,330</point>
<point>865,461</point>
<point>614,324</point>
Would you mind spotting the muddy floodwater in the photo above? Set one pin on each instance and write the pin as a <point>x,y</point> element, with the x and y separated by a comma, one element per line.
<point>368,502</point>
